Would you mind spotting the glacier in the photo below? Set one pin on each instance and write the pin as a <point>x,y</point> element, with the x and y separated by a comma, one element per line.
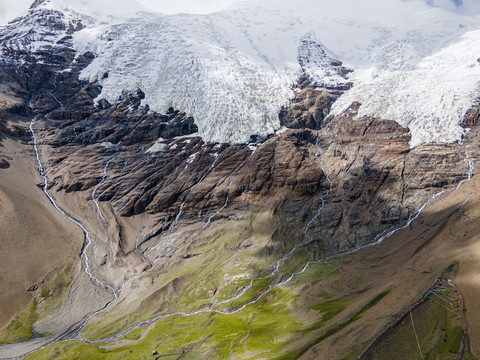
<point>413,61</point>
<point>430,98</point>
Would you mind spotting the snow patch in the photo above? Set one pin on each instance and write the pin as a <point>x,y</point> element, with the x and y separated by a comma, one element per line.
<point>159,146</point>
<point>234,70</point>
<point>323,69</point>
<point>107,145</point>
<point>430,99</point>
<point>98,12</point>
<point>192,157</point>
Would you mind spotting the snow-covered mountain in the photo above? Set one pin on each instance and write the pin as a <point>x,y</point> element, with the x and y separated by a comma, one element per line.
<point>414,62</point>
<point>116,110</point>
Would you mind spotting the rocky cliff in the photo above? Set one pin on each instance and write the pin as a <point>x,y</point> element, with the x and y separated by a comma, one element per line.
<point>136,178</point>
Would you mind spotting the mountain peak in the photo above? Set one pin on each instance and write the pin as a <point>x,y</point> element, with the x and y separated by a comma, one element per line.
<point>235,70</point>
<point>96,12</point>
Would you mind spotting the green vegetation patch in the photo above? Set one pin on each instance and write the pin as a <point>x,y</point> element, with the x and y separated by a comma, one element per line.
<point>370,305</point>
<point>21,327</point>
<point>294,263</point>
<point>135,334</point>
<point>264,330</point>
<point>190,288</point>
<point>261,331</point>
<point>314,272</point>
<point>433,330</point>
<point>45,293</point>
<point>232,288</point>
<point>302,255</point>
<point>452,340</point>
<point>331,308</point>
<point>54,291</point>
<point>258,288</point>
<point>340,326</point>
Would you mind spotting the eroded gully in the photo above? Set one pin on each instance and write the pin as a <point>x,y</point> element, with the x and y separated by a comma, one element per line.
<point>74,335</point>
<point>275,272</point>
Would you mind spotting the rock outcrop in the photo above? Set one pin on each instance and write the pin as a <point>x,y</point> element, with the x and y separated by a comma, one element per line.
<point>350,179</point>
<point>153,195</point>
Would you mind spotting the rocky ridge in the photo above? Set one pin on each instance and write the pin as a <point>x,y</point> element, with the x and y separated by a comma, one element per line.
<point>376,177</point>
<point>344,181</point>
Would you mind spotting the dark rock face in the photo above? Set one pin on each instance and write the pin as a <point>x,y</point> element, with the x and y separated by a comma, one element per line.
<point>308,109</point>
<point>4,164</point>
<point>313,96</point>
<point>187,169</point>
<point>126,122</point>
<point>472,118</point>
<point>381,182</point>
<point>355,177</point>
<point>33,71</point>
<point>377,180</point>
<point>283,162</point>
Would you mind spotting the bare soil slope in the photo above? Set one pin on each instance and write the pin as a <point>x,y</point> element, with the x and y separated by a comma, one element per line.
<point>445,234</point>
<point>34,237</point>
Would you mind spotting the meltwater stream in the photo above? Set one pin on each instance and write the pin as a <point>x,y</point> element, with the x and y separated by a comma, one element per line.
<point>73,331</point>
<point>214,307</point>
<point>230,181</point>
<point>274,273</point>
<point>54,203</point>
<point>104,179</point>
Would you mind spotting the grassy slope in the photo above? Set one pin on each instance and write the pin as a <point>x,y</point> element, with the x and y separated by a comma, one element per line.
<point>262,331</point>
<point>20,328</point>
<point>331,310</point>
<point>439,332</point>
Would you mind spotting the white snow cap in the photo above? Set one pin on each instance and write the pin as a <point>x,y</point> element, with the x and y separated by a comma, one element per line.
<point>97,12</point>
<point>414,61</point>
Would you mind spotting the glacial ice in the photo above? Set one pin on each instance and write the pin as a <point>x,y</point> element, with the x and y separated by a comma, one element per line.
<point>234,70</point>
<point>430,98</point>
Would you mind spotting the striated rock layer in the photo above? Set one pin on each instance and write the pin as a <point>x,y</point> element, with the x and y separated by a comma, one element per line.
<point>132,176</point>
